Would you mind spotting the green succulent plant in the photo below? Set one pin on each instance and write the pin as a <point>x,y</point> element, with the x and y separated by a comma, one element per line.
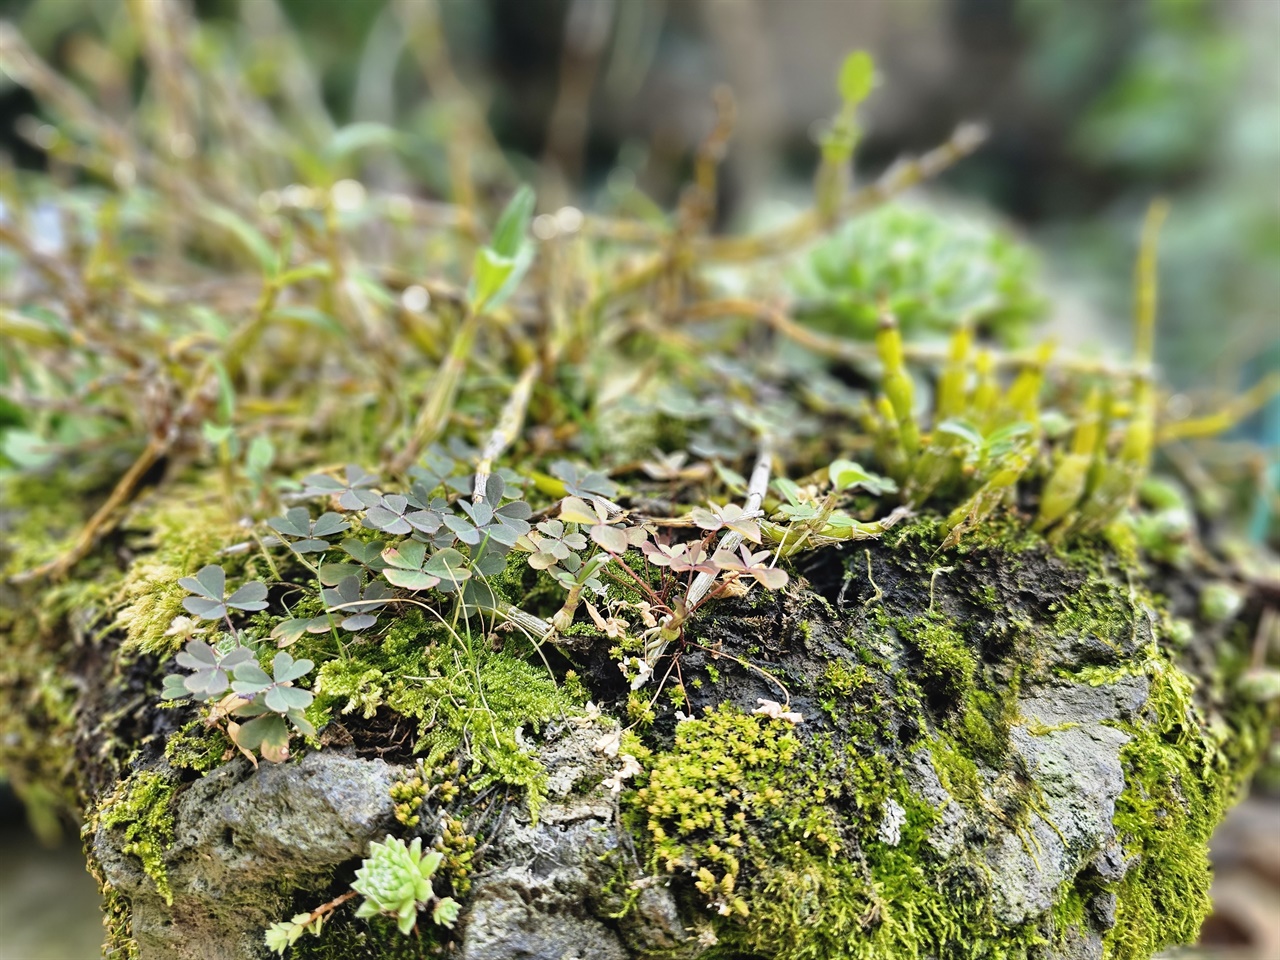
<point>396,879</point>
<point>933,270</point>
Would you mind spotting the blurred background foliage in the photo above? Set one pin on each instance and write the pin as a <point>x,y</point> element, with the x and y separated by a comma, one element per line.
<point>1094,106</point>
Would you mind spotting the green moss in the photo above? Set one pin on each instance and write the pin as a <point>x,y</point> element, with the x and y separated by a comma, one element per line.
<point>947,663</point>
<point>117,922</point>
<point>984,721</point>
<point>747,809</point>
<point>1101,608</point>
<point>1178,784</point>
<point>374,938</point>
<point>458,690</point>
<point>710,802</point>
<point>196,747</point>
<point>185,531</point>
<point>140,806</point>
<point>39,699</point>
<point>956,770</point>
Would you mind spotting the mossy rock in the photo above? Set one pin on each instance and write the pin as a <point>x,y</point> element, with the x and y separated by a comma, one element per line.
<point>708,688</point>
<point>1001,760</point>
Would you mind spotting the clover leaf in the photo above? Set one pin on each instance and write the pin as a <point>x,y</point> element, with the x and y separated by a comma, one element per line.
<point>450,566</point>
<point>404,566</point>
<point>356,605</point>
<point>355,493</point>
<point>306,535</point>
<point>210,601</point>
<point>399,515</point>
<point>584,483</point>
<point>210,671</point>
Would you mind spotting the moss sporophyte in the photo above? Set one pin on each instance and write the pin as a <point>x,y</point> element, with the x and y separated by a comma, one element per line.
<point>457,490</point>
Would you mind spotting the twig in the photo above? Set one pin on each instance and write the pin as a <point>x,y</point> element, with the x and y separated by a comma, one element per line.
<point>508,428</point>
<point>106,517</point>
<point>810,225</point>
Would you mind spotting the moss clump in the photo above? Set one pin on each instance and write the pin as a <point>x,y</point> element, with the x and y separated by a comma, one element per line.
<point>1178,784</point>
<point>458,690</point>
<point>947,663</point>
<point>197,747</point>
<point>716,803</point>
<point>117,922</point>
<point>185,531</point>
<point>140,806</point>
<point>1101,610</point>
<point>806,852</point>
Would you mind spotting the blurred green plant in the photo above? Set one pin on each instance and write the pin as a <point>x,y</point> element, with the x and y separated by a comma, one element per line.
<point>933,270</point>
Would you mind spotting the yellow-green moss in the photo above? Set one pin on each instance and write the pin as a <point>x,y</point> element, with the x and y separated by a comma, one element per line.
<point>746,809</point>
<point>457,689</point>
<point>947,663</point>
<point>196,747</point>
<point>185,531</point>
<point>117,923</point>
<point>140,807</point>
<point>1179,781</point>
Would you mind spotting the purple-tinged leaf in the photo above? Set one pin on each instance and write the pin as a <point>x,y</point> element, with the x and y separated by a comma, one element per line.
<point>611,539</point>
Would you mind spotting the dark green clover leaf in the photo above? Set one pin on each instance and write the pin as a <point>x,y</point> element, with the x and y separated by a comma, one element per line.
<point>175,687</point>
<point>306,534</point>
<point>505,524</point>
<point>250,679</point>
<point>404,566</point>
<point>450,566</point>
<point>400,515</point>
<point>357,606</point>
<point>276,692</point>
<point>366,553</point>
<point>355,493</point>
<point>266,729</point>
<point>209,601</point>
<point>332,574</point>
<point>290,631</point>
<point>438,469</point>
<point>209,669</point>
<point>580,482</point>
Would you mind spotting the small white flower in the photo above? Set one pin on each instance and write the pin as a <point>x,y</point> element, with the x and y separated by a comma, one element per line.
<point>608,744</point>
<point>184,628</point>
<point>630,767</point>
<point>643,671</point>
<point>773,710</point>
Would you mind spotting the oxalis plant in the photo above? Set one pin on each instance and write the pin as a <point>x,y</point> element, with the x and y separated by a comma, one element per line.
<point>525,427</point>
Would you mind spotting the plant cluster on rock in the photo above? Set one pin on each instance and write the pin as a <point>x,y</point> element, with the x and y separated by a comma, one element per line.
<point>580,541</point>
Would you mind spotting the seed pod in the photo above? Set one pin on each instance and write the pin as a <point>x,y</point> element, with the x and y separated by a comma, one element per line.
<point>1119,478</point>
<point>1022,402</point>
<point>897,384</point>
<point>989,496</point>
<point>1066,485</point>
<point>889,439</point>
<point>951,384</point>
<point>986,393</point>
